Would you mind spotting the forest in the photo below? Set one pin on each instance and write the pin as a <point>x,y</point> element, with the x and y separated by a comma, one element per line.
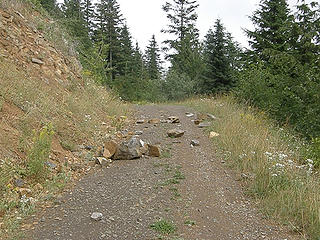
<point>278,73</point>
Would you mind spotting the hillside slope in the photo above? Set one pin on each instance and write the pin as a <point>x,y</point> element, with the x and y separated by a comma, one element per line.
<point>42,91</point>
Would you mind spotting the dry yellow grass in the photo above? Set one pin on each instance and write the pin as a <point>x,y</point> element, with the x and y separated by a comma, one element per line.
<point>279,176</point>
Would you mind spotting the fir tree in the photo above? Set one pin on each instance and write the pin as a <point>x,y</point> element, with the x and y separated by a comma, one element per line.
<point>75,23</point>
<point>182,17</point>
<point>218,62</point>
<point>109,22</point>
<point>306,38</point>
<point>124,65</point>
<point>153,60</point>
<point>88,14</point>
<point>49,5</point>
<point>272,23</point>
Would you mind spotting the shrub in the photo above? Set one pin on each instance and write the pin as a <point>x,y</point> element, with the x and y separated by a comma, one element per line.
<point>40,151</point>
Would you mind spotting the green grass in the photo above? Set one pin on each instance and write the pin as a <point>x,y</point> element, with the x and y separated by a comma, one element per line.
<point>166,154</point>
<point>163,227</point>
<point>189,223</point>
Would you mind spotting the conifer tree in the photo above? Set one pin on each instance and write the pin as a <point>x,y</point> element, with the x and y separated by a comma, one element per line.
<point>109,22</point>
<point>153,60</point>
<point>124,65</point>
<point>272,23</point>
<point>88,14</point>
<point>49,5</point>
<point>75,23</point>
<point>306,38</point>
<point>219,51</point>
<point>182,18</point>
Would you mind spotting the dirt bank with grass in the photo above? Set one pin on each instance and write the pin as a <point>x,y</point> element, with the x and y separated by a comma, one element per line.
<point>48,108</point>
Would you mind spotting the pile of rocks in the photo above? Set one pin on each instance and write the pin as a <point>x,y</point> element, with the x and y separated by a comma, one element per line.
<point>126,150</point>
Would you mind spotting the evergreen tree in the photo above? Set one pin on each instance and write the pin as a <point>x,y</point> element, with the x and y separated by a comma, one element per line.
<point>88,14</point>
<point>306,37</point>
<point>49,5</point>
<point>182,17</point>
<point>124,64</point>
<point>138,64</point>
<point>75,23</point>
<point>272,23</point>
<point>109,24</point>
<point>153,60</point>
<point>219,52</point>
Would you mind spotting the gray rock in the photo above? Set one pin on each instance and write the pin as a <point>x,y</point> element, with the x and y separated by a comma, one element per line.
<point>140,121</point>
<point>195,143</point>
<point>19,182</point>
<point>138,133</point>
<point>37,61</point>
<point>129,150</point>
<point>212,117</point>
<point>96,216</point>
<point>175,133</point>
<point>204,125</point>
<point>50,165</point>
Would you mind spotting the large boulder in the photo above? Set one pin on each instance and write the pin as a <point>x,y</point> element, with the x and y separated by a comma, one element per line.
<point>129,150</point>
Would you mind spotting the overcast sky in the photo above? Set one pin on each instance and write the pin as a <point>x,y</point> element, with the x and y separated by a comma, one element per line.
<point>146,17</point>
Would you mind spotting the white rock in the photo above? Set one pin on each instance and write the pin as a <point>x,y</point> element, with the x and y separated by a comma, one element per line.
<point>96,216</point>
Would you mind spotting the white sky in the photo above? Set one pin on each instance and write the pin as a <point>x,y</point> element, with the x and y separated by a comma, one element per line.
<point>146,17</point>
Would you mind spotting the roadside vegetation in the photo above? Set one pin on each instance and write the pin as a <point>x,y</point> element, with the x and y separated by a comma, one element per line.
<point>275,165</point>
<point>45,114</point>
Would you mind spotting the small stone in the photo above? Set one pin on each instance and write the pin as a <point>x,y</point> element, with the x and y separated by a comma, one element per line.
<point>103,161</point>
<point>175,133</point>
<point>37,61</point>
<point>140,121</point>
<point>189,114</point>
<point>153,151</point>
<point>110,149</point>
<point>154,121</point>
<point>19,182</point>
<point>204,125</point>
<point>138,133</point>
<point>50,165</point>
<point>96,216</point>
<point>212,117</point>
<point>174,119</point>
<point>195,143</point>
<point>213,135</point>
<point>197,121</point>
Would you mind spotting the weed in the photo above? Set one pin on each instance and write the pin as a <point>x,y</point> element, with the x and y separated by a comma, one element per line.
<point>175,191</point>
<point>166,154</point>
<point>189,223</point>
<point>178,175</point>
<point>40,151</point>
<point>68,145</point>
<point>163,227</point>
<point>1,103</point>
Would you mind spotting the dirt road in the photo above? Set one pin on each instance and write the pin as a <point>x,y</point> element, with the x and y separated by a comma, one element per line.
<point>189,188</point>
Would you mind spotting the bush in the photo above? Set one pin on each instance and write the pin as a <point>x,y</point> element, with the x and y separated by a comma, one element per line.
<point>178,86</point>
<point>287,90</point>
<point>40,151</point>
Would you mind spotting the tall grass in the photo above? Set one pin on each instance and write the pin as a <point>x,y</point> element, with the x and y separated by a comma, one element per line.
<point>273,159</point>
